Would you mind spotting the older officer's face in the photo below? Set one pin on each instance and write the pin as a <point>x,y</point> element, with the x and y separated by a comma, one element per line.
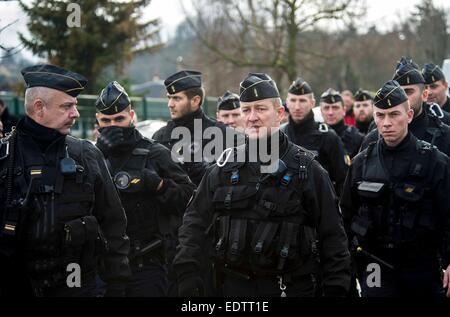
<point>332,113</point>
<point>59,111</point>
<point>262,117</point>
<point>393,123</point>
<point>437,92</point>
<point>122,119</point>
<point>299,106</point>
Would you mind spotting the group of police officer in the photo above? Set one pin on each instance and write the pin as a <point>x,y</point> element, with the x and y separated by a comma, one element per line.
<point>158,217</point>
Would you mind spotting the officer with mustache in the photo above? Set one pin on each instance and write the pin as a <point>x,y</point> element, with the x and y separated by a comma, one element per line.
<point>59,209</point>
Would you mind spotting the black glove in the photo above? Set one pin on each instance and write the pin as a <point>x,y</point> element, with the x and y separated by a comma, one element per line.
<point>151,179</point>
<point>190,286</point>
<point>115,289</point>
<point>109,138</point>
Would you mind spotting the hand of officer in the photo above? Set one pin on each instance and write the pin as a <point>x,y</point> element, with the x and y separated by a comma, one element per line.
<point>447,281</point>
<point>152,181</point>
<point>109,138</point>
<point>190,286</point>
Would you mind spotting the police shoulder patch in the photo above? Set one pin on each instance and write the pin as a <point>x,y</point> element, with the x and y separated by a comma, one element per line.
<point>425,146</point>
<point>140,152</point>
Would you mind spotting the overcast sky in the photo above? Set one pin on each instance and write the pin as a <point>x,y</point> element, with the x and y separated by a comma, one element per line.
<point>380,12</point>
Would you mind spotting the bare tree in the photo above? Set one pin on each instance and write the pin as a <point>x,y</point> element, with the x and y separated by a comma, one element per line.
<point>266,34</point>
<point>431,25</point>
<point>8,51</point>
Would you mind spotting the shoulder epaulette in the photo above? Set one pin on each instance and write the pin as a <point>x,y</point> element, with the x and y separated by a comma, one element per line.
<point>425,146</point>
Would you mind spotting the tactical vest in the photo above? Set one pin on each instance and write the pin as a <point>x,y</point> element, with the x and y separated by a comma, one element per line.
<point>397,214</point>
<point>145,221</point>
<point>260,226</point>
<point>49,223</point>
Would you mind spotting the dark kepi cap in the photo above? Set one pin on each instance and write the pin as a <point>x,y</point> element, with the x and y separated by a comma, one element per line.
<point>113,99</point>
<point>258,87</point>
<point>54,77</point>
<point>363,95</point>
<point>300,87</point>
<point>228,101</point>
<point>183,80</point>
<point>432,73</point>
<point>331,96</point>
<point>390,95</point>
<point>408,73</point>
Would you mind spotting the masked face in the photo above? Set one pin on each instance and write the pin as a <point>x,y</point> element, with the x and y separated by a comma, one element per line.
<point>122,119</point>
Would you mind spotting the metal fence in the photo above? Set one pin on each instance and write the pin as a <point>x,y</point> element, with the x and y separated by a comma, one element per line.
<point>146,108</point>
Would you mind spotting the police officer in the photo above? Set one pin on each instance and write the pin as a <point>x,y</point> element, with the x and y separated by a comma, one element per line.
<point>427,124</point>
<point>333,112</point>
<point>396,206</point>
<point>186,96</point>
<point>437,86</point>
<point>302,130</point>
<point>59,208</point>
<point>228,110</point>
<point>349,101</point>
<point>411,79</point>
<point>153,189</point>
<point>363,110</point>
<point>263,225</point>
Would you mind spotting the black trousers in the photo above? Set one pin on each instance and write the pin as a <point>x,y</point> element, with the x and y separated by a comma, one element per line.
<point>148,281</point>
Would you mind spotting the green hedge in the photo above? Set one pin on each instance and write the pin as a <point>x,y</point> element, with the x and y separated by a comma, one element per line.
<point>146,108</point>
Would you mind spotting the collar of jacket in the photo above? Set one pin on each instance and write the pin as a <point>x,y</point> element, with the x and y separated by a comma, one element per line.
<point>305,125</point>
<point>339,127</point>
